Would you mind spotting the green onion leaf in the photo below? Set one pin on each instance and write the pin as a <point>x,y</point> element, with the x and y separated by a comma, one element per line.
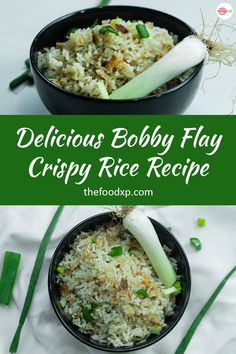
<point>25,77</point>
<point>72,30</point>
<point>142,31</point>
<point>103,3</point>
<point>8,277</point>
<point>116,251</point>
<point>178,286</point>
<point>196,243</point>
<point>154,330</point>
<point>62,302</point>
<point>192,329</point>
<point>142,293</point>
<point>34,278</point>
<point>201,222</point>
<point>94,238</point>
<point>108,29</point>
<point>87,314</point>
<point>60,270</point>
<point>95,24</point>
<point>93,305</point>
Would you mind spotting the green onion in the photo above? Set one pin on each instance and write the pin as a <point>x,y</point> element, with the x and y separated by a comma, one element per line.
<point>94,238</point>
<point>192,329</point>
<point>142,293</point>
<point>196,243</point>
<point>8,277</point>
<point>108,29</point>
<point>62,302</point>
<point>25,77</point>
<point>178,286</point>
<point>87,314</point>
<point>116,251</point>
<point>95,24</point>
<point>201,222</point>
<point>115,21</point>
<point>93,305</point>
<point>142,31</point>
<point>72,30</point>
<point>103,3</point>
<point>154,330</point>
<point>60,270</point>
<point>140,226</point>
<point>34,278</point>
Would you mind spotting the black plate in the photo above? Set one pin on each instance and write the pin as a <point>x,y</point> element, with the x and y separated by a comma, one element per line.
<point>165,238</point>
<point>59,101</point>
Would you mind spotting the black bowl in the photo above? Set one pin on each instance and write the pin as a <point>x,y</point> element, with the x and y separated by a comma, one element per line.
<point>59,101</point>
<point>165,238</point>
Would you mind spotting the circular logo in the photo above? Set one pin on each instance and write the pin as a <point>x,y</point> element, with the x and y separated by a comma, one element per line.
<point>224,11</point>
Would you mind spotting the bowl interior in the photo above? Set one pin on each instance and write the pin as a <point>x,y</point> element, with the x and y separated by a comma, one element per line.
<point>165,238</point>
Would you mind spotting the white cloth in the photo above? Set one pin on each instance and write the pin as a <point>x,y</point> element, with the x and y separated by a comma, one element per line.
<point>22,228</point>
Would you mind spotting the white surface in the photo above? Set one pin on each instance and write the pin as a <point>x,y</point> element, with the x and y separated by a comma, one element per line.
<point>22,20</point>
<point>21,229</point>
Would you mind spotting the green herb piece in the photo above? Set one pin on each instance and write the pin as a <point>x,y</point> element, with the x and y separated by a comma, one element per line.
<point>62,302</point>
<point>108,29</point>
<point>142,31</point>
<point>201,222</point>
<point>94,238</point>
<point>8,277</point>
<point>60,270</point>
<point>178,286</point>
<point>115,21</point>
<point>87,314</point>
<point>72,30</point>
<point>27,64</point>
<point>93,305</point>
<point>25,77</point>
<point>155,330</point>
<point>142,293</point>
<point>34,278</point>
<point>103,3</point>
<point>196,243</point>
<point>132,249</point>
<point>116,251</point>
<point>95,24</point>
<point>192,329</point>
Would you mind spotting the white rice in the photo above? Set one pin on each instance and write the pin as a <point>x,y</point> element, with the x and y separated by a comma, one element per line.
<point>106,287</point>
<point>95,64</point>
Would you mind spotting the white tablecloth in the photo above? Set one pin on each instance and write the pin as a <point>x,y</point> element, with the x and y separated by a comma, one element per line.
<point>22,228</point>
<point>22,20</point>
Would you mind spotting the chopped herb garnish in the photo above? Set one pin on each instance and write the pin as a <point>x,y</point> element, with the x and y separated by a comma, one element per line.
<point>93,305</point>
<point>104,3</point>
<point>142,31</point>
<point>95,24</point>
<point>62,302</point>
<point>94,238</point>
<point>108,29</point>
<point>87,314</point>
<point>72,30</point>
<point>201,222</point>
<point>155,330</point>
<point>116,251</point>
<point>115,21</point>
<point>196,243</point>
<point>178,286</point>
<point>60,270</point>
<point>142,293</point>
<point>8,277</point>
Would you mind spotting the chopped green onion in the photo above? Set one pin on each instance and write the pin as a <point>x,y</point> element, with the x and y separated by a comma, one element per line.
<point>95,24</point>
<point>192,329</point>
<point>94,238</point>
<point>201,222</point>
<point>108,29</point>
<point>87,314</point>
<point>116,251</point>
<point>103,3</point>
<point>60,270</point>
<point>115,21</point>
<point>94,305</point>
<point>8,277</point>
<point>34,278</point>
<point>72,30</point>
<point>25,77</point>
<point>142,293</point>
<point>155,330</point>
<point>62,302</point>
<point>142,31</point>
<point>196,243</point>
<point>178,286</point>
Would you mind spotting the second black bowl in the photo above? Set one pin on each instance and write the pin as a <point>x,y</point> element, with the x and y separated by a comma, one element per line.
<point>165,238</point>
<point>59,101</point>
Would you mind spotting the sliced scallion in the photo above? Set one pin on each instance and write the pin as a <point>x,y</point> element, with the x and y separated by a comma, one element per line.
<point>95,24</point>
<point>142,293</point>
<point>72,30</point>
<point>34,278</point>
<point>104,3</point>
<point>60,270</point>
<point>201,222</point>
<point>116,251</point>
<point>8,277</point>
<point>196,243</point>
<point>108,29</point>
<point>192,329</point>
<point>142,31</point>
